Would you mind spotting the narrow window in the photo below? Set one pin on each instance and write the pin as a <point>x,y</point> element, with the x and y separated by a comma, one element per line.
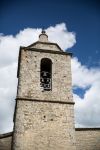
<point>46,74</point>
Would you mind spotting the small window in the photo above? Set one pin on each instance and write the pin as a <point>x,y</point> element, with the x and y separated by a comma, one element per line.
<point>46,74</point>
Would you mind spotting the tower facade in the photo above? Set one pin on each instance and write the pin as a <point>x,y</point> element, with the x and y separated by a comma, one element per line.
<point>44,114</point>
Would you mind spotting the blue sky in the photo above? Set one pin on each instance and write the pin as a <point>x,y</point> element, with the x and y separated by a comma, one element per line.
<point>81,16</point>
<point>74,24</point>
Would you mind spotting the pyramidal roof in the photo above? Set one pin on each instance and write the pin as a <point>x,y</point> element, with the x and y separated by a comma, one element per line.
<point>43,43</point>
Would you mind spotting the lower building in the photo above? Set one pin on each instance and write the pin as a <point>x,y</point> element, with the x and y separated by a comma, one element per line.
<point>86,139</point>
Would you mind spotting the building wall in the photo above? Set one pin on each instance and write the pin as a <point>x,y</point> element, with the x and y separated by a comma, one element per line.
<point>29,76</point>
<point>88,139</point>
<point>44,119</point>
<point>44,126</point>
<point>5,141</point>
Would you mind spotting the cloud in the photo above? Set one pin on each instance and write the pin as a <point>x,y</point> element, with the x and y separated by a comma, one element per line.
<point>8,85</point>
<point>9,49</point>
<point>87,110</point>
<point>82,76</point>
<point>60,35</point>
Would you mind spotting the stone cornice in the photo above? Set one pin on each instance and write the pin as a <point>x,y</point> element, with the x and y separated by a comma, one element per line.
<point>46,51</point>
<point>46,101</point>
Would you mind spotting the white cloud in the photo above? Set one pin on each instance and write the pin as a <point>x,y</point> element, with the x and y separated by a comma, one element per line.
<point>60,35</point>
<point>82,76</point>
<point>8,82</point>
<point>87,109</point>
<point>9,48</point>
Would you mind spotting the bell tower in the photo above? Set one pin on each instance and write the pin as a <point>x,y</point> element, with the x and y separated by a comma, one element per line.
<point>44,113</point>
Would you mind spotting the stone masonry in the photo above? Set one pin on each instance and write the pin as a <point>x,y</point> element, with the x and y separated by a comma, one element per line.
<point>5,141</point>
<point>86,138</point>
<point>44,120</point>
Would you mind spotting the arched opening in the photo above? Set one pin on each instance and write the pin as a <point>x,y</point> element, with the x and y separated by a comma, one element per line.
<point>46,74</point>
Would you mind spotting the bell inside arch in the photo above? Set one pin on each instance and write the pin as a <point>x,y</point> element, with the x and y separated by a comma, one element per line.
<point>46,74</point>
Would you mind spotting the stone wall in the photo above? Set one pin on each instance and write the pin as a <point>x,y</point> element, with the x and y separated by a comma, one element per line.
<point>88,138</point>
<point>5,141</point>
<point>44,120</point>
<point>44,126</point>
<point>29,76</point>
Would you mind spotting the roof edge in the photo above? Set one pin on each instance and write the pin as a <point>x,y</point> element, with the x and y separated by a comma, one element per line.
<point>85,129</point>
<point>44,43</point>
<point>47,51</point>
<point>5,135</point>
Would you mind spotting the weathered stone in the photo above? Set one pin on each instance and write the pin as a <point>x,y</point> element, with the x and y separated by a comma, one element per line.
<point>88,139</point>
<point>44,120</point>
<point>5,141</point>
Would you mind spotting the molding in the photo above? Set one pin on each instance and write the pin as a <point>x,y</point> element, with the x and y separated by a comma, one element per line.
<point>45,101</point>
<point>46,51</point>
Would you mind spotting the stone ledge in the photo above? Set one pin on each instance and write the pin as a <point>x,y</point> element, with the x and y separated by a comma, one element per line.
<point>46,101</point>
<point>48,51</point>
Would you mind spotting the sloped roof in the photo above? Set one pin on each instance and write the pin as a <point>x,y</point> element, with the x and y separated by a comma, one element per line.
<point>45,43</point>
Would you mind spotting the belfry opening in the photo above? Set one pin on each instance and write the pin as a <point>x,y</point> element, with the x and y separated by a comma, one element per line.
<point>46,74</point>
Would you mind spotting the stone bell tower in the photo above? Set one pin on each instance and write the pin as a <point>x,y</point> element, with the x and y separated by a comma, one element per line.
<point>44,113</point>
